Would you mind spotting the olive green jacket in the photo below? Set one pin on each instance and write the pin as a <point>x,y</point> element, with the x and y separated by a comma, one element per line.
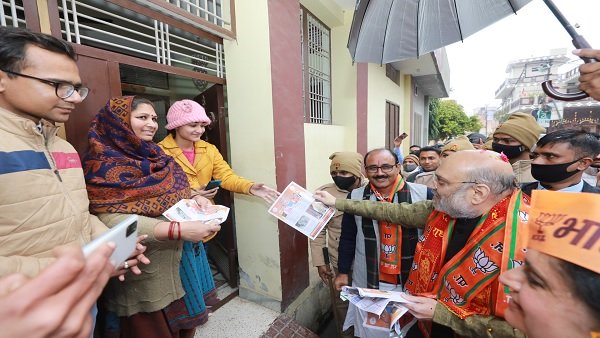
<point>415,215</point>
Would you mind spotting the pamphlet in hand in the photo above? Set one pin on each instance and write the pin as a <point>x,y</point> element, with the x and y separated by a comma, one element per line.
<point>383,309</point>
<point>371,300</point>
<point>297,208</point>
<point>389,320</point>
<point>188,210</point>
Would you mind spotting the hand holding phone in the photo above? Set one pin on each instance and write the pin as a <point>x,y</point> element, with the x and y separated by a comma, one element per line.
<point>398,140</point>
<point>213,184</point>
<point>124,235</point>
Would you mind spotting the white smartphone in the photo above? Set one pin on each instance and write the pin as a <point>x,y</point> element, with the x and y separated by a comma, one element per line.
<point>124,235</point>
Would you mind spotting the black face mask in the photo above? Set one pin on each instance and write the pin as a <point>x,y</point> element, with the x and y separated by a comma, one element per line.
<point>552,173</point>
<point>344,183</point>
<point>510,151</point>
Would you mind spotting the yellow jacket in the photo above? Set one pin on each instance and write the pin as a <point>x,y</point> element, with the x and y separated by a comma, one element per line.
<point>208,164</point>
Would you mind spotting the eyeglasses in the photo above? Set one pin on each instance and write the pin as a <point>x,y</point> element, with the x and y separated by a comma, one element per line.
<point>386,168</point>
<point>62,89</point>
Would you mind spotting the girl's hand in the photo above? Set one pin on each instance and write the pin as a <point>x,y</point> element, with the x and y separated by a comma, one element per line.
<point>206,193</point>
<point>266,193</point>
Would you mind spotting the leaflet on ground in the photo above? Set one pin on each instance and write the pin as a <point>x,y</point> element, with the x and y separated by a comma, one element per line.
<point>188,210</point>
<point>297,208</point>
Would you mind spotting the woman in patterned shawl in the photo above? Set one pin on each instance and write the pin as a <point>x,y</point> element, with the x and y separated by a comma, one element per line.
<point>127,173</point>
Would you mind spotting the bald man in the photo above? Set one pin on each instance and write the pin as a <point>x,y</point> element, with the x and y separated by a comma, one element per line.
<point>469,223</point>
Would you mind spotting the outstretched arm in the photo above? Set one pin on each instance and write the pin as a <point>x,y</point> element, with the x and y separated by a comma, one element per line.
<point>409,215</point>
<point>475,326</point>
<point>266,193</point>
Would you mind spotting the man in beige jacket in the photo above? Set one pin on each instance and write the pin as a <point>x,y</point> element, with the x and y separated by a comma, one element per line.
<point>345,170</point>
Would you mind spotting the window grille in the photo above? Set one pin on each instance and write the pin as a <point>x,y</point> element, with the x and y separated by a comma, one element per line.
<point>104,25</point>
<point>209,10</point>
<point>392,123</point>
<point>316,67</point>
<point>12,13</point>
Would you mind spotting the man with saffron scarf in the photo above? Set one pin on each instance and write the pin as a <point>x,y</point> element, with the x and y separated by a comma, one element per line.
<point>382,252</point>
<point>469,238</point>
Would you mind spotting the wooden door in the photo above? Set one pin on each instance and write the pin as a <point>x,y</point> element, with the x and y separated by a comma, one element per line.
<point>102,77</point>
<point>223,248</point>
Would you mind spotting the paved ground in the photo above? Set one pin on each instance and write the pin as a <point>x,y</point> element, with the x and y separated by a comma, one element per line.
<point>237,318</point>
<point>242,318</point>
<point>286,327</point>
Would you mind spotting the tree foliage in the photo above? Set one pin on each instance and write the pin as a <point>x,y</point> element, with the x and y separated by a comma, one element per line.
<point>452,121</point>
<point>501,116</point>
<point>434,123</point>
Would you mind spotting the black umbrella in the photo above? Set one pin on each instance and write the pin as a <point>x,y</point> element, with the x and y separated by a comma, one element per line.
<point>385,31</point>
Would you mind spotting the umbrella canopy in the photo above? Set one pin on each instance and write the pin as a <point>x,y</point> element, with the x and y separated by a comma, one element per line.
<point>385,31</point>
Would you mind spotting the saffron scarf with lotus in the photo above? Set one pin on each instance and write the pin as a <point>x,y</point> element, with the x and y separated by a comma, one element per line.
<point>468,283</point>
<point>125,174</point>
<point>390,237</point>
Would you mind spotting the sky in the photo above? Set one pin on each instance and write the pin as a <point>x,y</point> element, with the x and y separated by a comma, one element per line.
<point>478,65</point>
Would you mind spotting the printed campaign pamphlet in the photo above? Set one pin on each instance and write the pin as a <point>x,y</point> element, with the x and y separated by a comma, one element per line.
<point>383,309</point>
<point>371,300</point>
<point>297,208</point>
<point>188,210</point>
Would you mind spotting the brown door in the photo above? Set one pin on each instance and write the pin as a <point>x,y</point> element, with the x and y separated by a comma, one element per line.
<point>222,249</point>
<point>102,77</point>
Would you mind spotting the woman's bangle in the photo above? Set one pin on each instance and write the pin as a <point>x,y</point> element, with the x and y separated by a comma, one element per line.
<point>171,232</point>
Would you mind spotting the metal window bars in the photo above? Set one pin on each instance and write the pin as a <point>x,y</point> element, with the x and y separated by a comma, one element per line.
<point>12,13</point>
<point>209,10</point>
<point>111,27</point>
<point>318,59</point>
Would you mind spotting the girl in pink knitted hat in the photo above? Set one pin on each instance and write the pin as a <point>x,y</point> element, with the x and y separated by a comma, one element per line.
<point>202,161</point>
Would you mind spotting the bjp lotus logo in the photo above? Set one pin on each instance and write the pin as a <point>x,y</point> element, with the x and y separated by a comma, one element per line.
<point>453,295</point>
<point>389,249</point>
<point>516,263</point>
<point>483,263</point>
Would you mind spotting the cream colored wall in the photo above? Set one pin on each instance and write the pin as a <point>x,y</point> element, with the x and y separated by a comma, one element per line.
<point>326,10</point>
<point>405,110</point>
<point>343,80</point>
<point>249,95</point>
<point>323,140</point>
<point>382,89</point>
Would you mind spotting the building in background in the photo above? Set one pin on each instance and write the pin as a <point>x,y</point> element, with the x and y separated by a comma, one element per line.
<point>521,91</point>
<point>487,117</point>
<point>278,81</point>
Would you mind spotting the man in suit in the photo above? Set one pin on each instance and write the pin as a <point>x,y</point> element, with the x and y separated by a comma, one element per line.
<point>559,160</point>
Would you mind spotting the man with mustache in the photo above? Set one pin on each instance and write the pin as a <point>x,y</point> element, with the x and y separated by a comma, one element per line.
<point>470,236</point>
<point>382,252</point>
